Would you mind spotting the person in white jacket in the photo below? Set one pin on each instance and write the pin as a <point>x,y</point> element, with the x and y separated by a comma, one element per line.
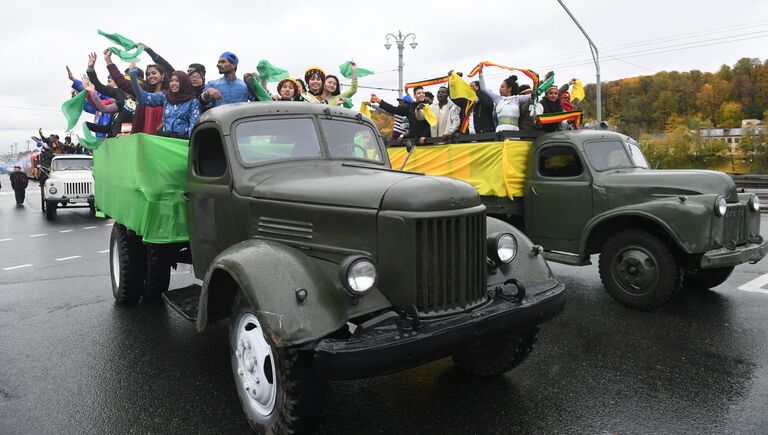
<point>447,113</point>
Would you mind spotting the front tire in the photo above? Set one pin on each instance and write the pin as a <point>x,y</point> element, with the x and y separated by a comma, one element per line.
<point>50,210</point>
<point>42,200</point>
<point>127,265</point>
<point>639,270</point>
<point>497,356</point>
<point>706,278</point>
<point>276,386</point>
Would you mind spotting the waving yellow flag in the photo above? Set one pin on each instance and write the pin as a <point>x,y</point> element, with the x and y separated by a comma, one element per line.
<point>577,91</point>
<point>364,109</point>
<point>458,88</point>
<point>429,115</point>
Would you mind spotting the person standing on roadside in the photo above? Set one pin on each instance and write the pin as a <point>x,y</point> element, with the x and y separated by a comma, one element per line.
<point>19,182</point>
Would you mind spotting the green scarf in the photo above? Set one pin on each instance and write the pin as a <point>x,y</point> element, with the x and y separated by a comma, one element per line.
<point>125,53</point>
<point>261,93</point>
<point>346,70</point>
<point>271,73</point>
<point>89,140</point>
<point>73,108</point>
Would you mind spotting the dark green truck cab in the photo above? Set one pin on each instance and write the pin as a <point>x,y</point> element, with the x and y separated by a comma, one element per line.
<point>328,263</point>
<point>591,192</point>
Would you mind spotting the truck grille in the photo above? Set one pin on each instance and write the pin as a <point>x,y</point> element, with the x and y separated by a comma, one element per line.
<point>735,229</point>
<point>450,262</point>
<point>83,188</point>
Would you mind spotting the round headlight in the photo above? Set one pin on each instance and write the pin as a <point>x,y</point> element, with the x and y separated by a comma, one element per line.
<point>52,190</point>
<point>502,248</point>
<point>358,274</point>
<point>720,206</point>
<point>755,203</point>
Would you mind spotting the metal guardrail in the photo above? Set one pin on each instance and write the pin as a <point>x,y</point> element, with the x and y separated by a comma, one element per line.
<point>757,183</point>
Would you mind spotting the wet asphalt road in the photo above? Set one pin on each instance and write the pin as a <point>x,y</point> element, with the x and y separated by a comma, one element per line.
<point>71,361</point>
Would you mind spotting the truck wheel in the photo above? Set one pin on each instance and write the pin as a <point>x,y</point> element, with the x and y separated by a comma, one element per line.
<point>50,210</point>
<point>706,278</point>
<point>639,270</point>
<point>496,356</point>
<point>128,261</point>
<point>158,275</point>
<point>92,209</point>
<point>42,200</point>
<point>277,388</point>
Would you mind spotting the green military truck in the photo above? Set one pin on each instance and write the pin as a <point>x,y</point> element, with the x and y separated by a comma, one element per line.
<point>584,192</point>
<point>328,263</point>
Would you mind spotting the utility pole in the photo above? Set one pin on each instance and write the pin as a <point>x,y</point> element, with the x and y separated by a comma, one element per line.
<point>400,41</point>
<point>595,58</point>
<point>28,142</point>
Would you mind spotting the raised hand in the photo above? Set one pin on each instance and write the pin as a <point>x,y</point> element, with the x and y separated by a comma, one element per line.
<point>70,75</point>
<point>91,60</point>
<point>108,56</point>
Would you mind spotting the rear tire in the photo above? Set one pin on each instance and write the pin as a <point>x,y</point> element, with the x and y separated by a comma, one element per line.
<point>50,210</point>
<point>127,265</point>
<point>706,278</point>
<point>277,388</point>
<point>158,273</point>
<point>498,355</point>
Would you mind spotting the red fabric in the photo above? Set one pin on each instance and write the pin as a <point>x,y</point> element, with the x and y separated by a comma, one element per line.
<point>153,119</point>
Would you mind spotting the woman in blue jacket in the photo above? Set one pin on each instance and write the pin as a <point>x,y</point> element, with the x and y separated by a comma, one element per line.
<point>180,104</point>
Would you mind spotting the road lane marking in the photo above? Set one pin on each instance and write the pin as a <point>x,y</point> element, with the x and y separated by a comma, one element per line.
<point>109,224</point>
<point>5,240</point>
<point>103,252</point>
<point>17,267</point>
<point>756,285</point>
<point>66,231</point>
<point>68,258</point>
<point>89,228</point>
<point>38,235</point>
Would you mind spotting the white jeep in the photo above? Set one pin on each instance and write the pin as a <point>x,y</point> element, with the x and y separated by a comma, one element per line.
<point>69,183</point>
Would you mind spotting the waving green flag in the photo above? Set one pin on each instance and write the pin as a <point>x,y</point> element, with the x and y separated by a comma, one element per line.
<point>73,108</point>
<point>127,44</point>
<point>89,140</point>
<point>346,70</point>
<point>545,85</point>
<point>271,73</point>
<point>261,93</point>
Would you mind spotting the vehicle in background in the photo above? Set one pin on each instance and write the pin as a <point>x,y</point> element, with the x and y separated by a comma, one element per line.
<point>69,184</point>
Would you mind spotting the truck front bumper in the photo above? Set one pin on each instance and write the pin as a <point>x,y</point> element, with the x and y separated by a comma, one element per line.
<point>391,344</point>
<point>725,257</point>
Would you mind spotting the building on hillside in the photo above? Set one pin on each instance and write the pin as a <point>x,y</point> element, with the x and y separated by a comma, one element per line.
<point>732,136</point>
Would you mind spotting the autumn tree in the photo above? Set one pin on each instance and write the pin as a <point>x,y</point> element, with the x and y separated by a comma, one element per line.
<point>730,115</point>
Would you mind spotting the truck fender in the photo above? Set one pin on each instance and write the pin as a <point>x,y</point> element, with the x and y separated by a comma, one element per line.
<point>691,221</point>
<point>292,298</point>
<point>528,265</point>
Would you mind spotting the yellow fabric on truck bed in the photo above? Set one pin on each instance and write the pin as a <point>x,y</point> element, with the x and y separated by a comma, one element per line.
<point>494,168</point>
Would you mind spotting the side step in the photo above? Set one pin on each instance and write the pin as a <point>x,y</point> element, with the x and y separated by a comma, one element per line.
<point>184,300</point>
<point>566,258</point>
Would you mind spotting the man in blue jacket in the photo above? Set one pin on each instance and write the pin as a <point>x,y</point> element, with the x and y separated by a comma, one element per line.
<point>229,88</point>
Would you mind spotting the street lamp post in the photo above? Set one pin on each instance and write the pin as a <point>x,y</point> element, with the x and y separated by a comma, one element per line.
<point>400,41</point>
<point>595,58</point>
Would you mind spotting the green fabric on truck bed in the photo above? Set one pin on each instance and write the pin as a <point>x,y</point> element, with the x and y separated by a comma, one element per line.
<point>139,180</point>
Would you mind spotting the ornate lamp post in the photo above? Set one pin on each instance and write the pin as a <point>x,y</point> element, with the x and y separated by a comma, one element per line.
<point>400,41</point>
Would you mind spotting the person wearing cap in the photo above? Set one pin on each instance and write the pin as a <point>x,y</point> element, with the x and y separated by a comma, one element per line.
<point>228,89</point>
<point>550,104</point>
<point>19,182</point>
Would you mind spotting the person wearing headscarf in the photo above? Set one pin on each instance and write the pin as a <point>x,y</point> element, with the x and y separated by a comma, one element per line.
<point>506,103</point>
<point>314,76</point>
<point>180,103</point>
<point>332,89</point>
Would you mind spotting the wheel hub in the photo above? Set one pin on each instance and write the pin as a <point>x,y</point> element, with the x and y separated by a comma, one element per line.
<point>636,271</point>
<point>255,365</point>
<point>116,263</point>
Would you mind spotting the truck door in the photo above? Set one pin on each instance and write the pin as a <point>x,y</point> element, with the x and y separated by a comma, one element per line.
<point>558,199</point>
<point>209,197</point>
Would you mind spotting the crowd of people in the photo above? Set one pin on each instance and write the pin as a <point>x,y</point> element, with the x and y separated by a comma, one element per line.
<point>162,100</point>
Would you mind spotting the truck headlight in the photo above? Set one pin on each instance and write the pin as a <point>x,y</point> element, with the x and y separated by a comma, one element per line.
<point>502,248</point>
<point>52,190</point>
<point>358,274</point>
<point>754,204</point>
<point>720,206</point>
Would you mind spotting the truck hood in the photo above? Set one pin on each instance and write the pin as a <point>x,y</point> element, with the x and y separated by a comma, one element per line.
<point>71,175</point>
<point>638,185</point>
<point>351,185</point>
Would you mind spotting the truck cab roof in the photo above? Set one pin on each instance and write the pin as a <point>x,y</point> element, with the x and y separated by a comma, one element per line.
<point>227,114</point>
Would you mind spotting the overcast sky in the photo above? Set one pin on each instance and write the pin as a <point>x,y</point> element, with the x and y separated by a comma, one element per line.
<point>634,38</point>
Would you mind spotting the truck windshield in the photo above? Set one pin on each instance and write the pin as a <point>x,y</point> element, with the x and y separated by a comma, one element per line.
<point>277,139</point>
<point>608,155</point>
<point>637,156</point>
<point>351,140</point>
<point>72,164</point>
